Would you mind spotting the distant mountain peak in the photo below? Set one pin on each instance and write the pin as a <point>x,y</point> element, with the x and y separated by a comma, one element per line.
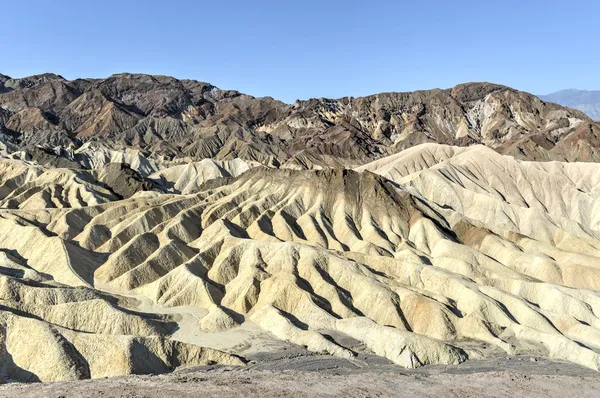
<point>587,101</point>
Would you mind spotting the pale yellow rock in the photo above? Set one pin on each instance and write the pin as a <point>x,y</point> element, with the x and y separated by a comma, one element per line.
<point>419,256</point>
<point>217,320</point>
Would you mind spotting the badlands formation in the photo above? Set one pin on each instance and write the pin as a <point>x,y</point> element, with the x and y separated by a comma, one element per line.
<point>119,260</point>
<point>421,256</point>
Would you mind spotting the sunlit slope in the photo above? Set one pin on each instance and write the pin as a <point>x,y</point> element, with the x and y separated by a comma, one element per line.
<point>421,256</point>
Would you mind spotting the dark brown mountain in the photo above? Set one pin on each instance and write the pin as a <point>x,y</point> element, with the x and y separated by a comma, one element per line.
<point>171,118</point>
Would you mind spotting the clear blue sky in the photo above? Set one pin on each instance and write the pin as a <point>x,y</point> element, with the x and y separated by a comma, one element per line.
<point>301,49</point>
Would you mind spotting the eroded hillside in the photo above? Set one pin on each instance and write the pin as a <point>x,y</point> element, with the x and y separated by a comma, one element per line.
<point>121,263</point>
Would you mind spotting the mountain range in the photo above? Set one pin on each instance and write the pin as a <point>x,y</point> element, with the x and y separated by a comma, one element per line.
<point>583,100</point>
<point>170,118</point>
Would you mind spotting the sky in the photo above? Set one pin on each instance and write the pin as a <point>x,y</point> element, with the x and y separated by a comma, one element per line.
<point>290,49</point>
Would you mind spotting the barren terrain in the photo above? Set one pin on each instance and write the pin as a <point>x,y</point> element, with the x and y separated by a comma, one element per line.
<point>150,225</point>
<point>317,376</point>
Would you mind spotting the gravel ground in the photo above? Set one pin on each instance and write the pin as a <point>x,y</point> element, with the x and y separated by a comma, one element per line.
<point>302,375</point>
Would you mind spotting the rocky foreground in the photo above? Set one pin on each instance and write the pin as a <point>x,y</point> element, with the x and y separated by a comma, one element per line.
<point>317,376</point>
